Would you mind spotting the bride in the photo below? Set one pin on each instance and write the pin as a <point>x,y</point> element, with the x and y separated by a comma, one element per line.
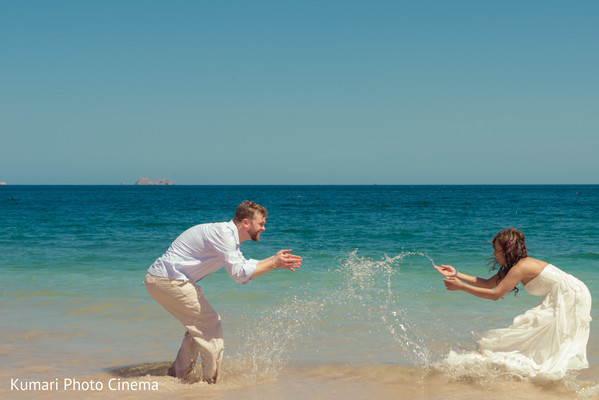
<point>549,339</point>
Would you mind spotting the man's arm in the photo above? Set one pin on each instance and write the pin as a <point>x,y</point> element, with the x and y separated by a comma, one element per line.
<point>282,260</point>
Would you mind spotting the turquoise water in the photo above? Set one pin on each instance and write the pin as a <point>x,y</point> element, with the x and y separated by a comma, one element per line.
<point>72,261</point>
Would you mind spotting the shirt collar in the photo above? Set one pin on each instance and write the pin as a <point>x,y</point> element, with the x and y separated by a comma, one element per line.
<point>231,225</point>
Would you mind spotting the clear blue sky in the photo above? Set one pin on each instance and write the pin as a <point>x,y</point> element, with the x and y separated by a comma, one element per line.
<point>302,92</point>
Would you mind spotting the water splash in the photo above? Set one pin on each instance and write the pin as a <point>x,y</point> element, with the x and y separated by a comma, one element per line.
<point>369,284</point>
<point>400,257</point>
<point>357,313</point>
<point>270,338</point>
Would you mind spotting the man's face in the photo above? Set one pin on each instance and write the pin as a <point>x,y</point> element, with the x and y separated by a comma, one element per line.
<point>256,226</point>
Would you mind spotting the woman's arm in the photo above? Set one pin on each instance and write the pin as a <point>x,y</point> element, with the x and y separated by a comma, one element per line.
<point>450,272</point>
<point>513,277</point>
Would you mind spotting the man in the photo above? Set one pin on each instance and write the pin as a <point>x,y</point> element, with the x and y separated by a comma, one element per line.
<point>196,253</point>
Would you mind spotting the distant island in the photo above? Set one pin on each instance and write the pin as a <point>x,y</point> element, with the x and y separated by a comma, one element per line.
<point>2,183</point>
<point>148,181</point>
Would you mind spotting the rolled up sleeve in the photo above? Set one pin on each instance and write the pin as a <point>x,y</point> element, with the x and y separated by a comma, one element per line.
<point>239,268</point>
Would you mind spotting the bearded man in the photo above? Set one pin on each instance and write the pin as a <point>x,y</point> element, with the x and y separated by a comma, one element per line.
<point>195,254</point>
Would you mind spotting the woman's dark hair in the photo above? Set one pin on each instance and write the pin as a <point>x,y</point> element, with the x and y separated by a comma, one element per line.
<point>513,244</point>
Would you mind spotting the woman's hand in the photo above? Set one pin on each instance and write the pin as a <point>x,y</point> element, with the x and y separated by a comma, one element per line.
<point>453,284</point>
<point>446,270</point>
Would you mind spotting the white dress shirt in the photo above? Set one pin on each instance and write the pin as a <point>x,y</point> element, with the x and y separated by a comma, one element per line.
<point>202,250</point>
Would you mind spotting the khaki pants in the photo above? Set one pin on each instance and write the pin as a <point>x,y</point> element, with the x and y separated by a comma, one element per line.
<point>204,334</point>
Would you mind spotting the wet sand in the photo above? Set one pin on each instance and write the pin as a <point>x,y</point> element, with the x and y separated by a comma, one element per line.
<point>302,381</point>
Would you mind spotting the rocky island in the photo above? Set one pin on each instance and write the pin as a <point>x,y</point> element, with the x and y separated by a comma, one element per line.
<point>148,181</point>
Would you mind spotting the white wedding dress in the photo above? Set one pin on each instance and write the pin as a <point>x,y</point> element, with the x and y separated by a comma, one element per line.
<point>548,340</point>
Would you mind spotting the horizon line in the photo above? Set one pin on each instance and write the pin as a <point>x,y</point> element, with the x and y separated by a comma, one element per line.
<point>304,184</point>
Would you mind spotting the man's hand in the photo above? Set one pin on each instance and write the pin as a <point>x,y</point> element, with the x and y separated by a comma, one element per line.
<point>285,260</point>
<point>282,260</point>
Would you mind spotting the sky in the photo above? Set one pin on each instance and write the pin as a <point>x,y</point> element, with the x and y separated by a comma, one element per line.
<point>299,92</point>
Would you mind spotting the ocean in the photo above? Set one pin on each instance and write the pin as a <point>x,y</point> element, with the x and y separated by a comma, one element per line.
<point>365,316</point>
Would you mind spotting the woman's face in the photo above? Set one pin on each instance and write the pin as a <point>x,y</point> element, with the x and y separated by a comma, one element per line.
<point>498,253</point>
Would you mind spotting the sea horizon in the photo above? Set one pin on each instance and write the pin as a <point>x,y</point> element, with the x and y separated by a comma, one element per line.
<point>314,184</point>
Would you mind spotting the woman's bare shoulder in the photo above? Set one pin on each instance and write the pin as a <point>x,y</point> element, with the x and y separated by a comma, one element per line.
<point>531,266</point>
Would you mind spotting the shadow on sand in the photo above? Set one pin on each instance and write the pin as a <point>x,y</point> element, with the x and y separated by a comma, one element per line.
<point>133,371</point>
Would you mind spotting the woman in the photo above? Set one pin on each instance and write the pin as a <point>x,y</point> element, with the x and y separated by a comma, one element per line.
<point>547,340</point>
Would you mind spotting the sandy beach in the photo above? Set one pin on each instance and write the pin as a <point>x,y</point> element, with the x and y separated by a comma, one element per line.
<point>304,381</point>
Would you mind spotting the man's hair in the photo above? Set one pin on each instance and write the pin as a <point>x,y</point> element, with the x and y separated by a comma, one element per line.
<point>248,209</point>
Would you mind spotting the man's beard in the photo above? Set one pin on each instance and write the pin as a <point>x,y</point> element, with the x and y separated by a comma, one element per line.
<point>255,236</point>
